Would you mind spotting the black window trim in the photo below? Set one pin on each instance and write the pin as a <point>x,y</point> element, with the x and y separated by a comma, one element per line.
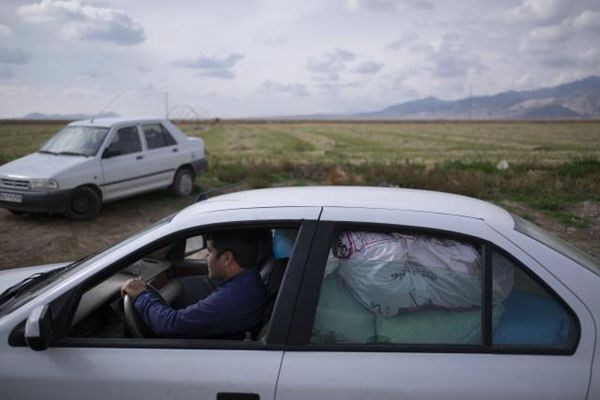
<point>277,331</point>
<point>304,313</point>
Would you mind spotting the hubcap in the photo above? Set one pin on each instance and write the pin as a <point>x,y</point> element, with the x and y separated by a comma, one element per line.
<point>185,184</point>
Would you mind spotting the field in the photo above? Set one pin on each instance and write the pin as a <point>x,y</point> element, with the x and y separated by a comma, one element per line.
<point>553,174</point>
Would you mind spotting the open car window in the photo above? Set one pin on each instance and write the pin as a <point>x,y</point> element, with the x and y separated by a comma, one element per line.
<point>178,272</point>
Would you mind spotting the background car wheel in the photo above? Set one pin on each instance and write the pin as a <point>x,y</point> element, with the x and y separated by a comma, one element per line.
<point>183,183</point>
<point>84,204</point>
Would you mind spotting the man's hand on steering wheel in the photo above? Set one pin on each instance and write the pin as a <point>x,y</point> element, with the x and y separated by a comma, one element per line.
<point>133,287</point>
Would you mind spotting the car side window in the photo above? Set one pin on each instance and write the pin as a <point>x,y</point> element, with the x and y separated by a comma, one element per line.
<point>403,288</point>
<point>157,136</point>
<point>529,315</point>
<point>391,287</point>
<point>126,141</point>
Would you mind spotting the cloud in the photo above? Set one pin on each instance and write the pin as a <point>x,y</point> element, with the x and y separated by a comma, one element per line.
<point>330,63</point>
<point>144,69</point>
<point>212,66</point>
<point>6,72</point>
<point>85,21</point>
<point>587,20</point>
<point>5,31</point>
<point>389,5</point>
<point>450,58</point>
<point>270,87</point>
<point>403,41</point>
<point>14,56</point>
<point>552,33</point>
<point>367,67</point>
<point>539,11</point>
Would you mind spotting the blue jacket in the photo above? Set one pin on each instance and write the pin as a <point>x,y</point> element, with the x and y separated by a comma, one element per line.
<point>231,309</point>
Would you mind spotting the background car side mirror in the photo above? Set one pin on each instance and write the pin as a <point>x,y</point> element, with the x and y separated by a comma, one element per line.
<point>39,331</point>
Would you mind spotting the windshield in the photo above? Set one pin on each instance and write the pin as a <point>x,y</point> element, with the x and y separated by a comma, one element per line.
<point>555,243</point>
<point>32,292</point>
<point>76,140</point>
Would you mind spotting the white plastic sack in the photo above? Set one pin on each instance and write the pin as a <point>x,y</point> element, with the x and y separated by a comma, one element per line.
<point>391,273</point>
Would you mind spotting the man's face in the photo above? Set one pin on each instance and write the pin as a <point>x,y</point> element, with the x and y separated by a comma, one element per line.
<point>215,262</point>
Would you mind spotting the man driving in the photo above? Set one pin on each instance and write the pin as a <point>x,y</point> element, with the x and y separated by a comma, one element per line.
<point>230,311</point>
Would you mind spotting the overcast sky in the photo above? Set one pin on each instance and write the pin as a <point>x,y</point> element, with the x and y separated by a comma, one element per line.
<point>237,58</point>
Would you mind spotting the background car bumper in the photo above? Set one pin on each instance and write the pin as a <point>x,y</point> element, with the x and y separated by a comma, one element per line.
<point>38,202</point>
<point>200,166</point>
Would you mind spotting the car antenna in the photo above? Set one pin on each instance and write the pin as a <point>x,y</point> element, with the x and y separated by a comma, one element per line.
<point>205,195</point>
<point>106,106</point>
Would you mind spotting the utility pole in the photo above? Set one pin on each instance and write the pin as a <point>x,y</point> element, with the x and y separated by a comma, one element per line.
<point>167,105</point>
<point>470,99</point>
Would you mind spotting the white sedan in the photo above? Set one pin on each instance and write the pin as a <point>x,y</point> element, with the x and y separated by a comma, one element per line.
<point>372,293</point>
<point>91,162</point>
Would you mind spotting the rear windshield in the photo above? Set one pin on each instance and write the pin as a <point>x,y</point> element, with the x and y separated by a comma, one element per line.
<point>76,140</point>
<point>556,243</point>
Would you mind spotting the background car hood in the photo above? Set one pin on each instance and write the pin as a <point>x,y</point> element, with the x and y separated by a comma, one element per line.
<point>38,165</point>
<point>12,276</point>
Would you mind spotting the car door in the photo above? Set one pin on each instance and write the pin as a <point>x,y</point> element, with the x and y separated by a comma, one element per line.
<point>163,151</point>
<point>124,165</point>
<point>117,368</point>
<point>530,337</point>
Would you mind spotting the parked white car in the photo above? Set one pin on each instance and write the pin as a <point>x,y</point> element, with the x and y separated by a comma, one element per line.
<point>91,162</point>
<point>376,293</point>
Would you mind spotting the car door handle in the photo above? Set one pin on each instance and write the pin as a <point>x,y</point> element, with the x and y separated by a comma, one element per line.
<point>139,157</point>
<point>237,396</point>
<point>175,150</point>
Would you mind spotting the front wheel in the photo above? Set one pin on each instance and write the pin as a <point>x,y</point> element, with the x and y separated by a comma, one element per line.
<point>183,183</point>
<point>84,204</point>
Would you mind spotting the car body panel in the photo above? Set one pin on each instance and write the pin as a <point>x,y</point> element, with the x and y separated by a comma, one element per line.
<point>422,375</point>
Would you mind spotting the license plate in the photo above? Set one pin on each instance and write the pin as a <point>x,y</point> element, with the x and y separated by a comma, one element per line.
<point>13,198</point>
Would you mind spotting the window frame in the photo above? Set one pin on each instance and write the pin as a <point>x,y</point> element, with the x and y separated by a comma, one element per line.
<point>166,135</point>
<point>116,134</point>
<point>67,303</point>
<point>304,313</point>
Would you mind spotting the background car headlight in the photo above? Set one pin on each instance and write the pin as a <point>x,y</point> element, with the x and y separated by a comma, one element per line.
<point>43,184</point>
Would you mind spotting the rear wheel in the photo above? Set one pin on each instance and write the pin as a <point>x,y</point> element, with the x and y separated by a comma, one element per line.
<point>183,183</point>
<point>84,204</point>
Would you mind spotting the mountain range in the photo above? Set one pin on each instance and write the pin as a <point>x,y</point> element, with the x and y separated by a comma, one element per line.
<point>66,117</point>
<point>574,100</point>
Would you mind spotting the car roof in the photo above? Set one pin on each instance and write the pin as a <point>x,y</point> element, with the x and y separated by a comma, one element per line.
<point>109,122</point>
<point>359,197</point>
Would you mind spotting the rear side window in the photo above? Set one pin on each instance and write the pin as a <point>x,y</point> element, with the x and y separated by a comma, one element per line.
<point>421,289</point>
<point>157,136</point>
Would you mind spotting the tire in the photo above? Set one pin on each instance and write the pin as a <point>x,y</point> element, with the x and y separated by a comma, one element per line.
<point>84,204</point>
<point>183,183</point>
<point>16,212</point>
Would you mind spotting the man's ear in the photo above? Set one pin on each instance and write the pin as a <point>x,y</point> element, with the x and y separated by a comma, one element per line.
<point>227,257</point>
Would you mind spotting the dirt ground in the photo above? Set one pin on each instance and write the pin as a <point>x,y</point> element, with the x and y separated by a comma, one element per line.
<point>39,239</point>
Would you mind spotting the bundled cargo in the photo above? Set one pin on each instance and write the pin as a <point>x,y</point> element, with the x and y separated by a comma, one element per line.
<point>392,273</point>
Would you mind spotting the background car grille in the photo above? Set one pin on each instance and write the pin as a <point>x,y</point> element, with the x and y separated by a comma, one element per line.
<point>14,184</point>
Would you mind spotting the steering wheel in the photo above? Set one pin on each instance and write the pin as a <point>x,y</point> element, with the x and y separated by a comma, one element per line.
<point>133,321</point>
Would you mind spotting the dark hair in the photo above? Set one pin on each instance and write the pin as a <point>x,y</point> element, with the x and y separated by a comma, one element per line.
<point>244,245</point>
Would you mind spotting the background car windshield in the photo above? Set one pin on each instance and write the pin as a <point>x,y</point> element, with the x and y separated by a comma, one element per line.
<point>85,140</point>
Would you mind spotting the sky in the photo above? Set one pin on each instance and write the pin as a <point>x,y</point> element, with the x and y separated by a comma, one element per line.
<point>260,58</point>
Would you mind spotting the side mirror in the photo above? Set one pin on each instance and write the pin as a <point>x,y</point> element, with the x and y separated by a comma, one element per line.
<point>38,328</point>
